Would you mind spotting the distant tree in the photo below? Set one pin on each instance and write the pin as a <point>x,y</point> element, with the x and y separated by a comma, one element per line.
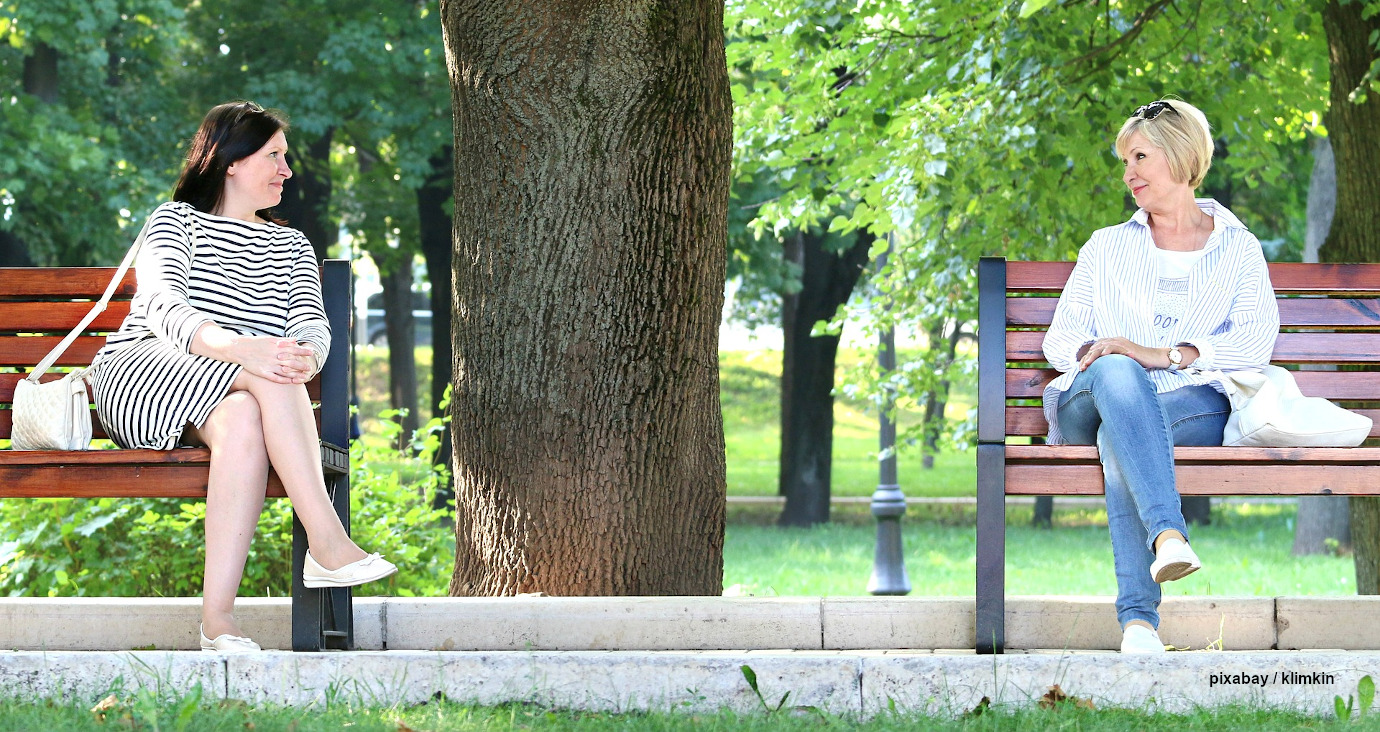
<point>90,90</point>
<point>1353,125</point>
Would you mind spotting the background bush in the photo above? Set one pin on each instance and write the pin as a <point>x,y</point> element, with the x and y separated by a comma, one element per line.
<point>152,547</point>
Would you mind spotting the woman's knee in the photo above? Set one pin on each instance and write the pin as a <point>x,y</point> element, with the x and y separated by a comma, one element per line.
<point>1117,373</point>
<point>237,419</point>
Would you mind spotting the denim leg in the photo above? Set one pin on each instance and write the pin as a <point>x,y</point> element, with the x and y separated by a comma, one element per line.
<point>1113,405</point>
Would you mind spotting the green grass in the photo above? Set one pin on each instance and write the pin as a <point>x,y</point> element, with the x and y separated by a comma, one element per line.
<point>1245,551</point>
<point>142,713</point>
<point>750,392</point>
<point>749,387</point>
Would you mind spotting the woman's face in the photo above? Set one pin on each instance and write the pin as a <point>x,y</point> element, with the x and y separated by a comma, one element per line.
<point>256,182</point>
<point>1147,173</point>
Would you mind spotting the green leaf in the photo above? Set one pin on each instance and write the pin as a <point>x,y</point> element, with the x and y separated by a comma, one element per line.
<point>1031,7</point>
<point>751,677</point>
<point>1340,707</point>
<point>1365,693</point>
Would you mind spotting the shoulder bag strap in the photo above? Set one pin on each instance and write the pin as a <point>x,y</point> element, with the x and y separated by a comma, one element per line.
<point>53,355</point>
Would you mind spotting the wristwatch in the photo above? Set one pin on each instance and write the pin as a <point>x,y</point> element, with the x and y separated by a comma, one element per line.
<point>1176,358</point>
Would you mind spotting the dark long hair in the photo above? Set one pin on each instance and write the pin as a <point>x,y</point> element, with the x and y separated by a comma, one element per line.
<point>229,133</point>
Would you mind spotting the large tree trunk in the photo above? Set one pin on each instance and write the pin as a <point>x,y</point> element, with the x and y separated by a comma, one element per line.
<point>41,73</point>
<point>593,143</point>
<point>1320,518</point>
<point>434,226</point>
<point>402,340</point>
<point>1355,233</point>
<point>827,278</point>
<point>306,200</point>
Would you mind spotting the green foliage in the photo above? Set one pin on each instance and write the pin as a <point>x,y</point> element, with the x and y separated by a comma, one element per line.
<point>1365,696</point>
<point>985,128</point>
<point>78,172</point>
<point>128,547</point>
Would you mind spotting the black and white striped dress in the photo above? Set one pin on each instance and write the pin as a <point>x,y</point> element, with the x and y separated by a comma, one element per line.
<point>196,268</point>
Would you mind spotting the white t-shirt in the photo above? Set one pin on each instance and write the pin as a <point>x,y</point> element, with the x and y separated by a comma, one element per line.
<point>1171,293</point>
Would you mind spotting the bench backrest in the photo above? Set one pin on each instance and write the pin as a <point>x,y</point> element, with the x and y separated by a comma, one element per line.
<point>40,305</point>
<point>1329,316</point>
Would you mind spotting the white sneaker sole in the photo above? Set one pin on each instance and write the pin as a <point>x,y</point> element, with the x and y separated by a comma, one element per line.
<point>317,583</point>
<point>1175,571</point>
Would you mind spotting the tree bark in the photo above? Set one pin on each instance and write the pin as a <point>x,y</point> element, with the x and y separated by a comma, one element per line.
<point>1355,132</point>
<point>434,225</point>
<point>402,340</point>
<point>593,145</point>
<point>1320,518</point>
<point>41,73</point>
<point>827,278</point>
<point>306,200</point>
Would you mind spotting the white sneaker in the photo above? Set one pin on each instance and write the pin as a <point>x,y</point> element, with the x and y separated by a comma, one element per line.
<point>1140,639</point>
<point>226,643</point>
<point>1174,560</point>
<point>368,569</point>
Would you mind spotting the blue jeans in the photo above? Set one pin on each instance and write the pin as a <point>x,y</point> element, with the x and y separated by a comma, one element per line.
<point>1113,405</point>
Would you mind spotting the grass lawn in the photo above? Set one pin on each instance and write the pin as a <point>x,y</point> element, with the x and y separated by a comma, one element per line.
<point>1245,551</point>
<point>750,392</point>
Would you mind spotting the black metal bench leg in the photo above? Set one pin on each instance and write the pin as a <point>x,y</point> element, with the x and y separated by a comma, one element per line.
<point>321,619</point>
<point>991,549</point>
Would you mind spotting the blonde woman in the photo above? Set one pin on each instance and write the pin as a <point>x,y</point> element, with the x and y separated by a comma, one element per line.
<point>1180,288</point>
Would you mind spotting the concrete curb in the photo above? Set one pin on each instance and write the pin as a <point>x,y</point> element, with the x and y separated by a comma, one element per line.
<point>702,623</point>
<point>851,684</point>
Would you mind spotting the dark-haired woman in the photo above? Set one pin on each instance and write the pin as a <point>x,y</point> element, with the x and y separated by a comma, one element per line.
<point>224,331</point>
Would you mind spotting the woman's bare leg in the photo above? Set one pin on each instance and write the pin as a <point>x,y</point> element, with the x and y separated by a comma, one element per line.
<point>234,499</point>
<point>289,433</point>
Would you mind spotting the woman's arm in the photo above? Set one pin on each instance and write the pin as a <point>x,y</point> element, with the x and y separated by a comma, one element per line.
<point>1071,331</point>
<point>163,273</point>
<point>306,314</point>
<point>1249,338</point>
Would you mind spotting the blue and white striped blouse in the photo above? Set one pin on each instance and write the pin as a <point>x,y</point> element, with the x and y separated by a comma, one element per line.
<point>1231,316</point>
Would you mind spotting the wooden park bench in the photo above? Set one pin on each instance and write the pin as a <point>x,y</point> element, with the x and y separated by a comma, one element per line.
<point>38,306</point>
<point>1329,316</point>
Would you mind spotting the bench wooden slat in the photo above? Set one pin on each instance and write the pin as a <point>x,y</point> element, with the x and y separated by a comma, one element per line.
<point>59,317</point>
<point>1030,421</point>
<point>1230,479</point>
<point>7,382</point>
<point>1184,455</point>
<point>98,431</point>
<point>1286,277</point>
<point>1294,312</point>
<point>155,480</point>
<point>26,351</point>
<point>21,282</point>
<point>7,423</point>
<point>1336,348</point>
<point>1029,383</point>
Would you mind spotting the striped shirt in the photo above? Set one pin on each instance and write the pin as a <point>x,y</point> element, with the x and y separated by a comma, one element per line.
<point>1229,315</point>
<point>195,268</point>
<point>253,279</point>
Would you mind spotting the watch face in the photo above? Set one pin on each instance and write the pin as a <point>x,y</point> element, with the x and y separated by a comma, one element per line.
<point>1175,356</point>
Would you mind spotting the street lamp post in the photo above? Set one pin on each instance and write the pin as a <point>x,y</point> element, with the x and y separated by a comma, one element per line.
<point>888,502</point>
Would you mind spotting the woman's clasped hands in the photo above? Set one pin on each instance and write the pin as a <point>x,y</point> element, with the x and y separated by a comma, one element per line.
<point>280,360</point>
<point>1148,357</point>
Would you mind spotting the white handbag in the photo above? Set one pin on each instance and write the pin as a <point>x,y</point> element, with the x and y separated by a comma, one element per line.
<point>1268,410</point>
<point>56,415</point>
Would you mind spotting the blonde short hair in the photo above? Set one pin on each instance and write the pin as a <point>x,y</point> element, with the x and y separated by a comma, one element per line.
<point>1182,132</point>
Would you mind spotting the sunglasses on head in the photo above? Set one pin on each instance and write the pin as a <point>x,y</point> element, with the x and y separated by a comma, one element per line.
<point>1151,110</point>
<point>246,109</point>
